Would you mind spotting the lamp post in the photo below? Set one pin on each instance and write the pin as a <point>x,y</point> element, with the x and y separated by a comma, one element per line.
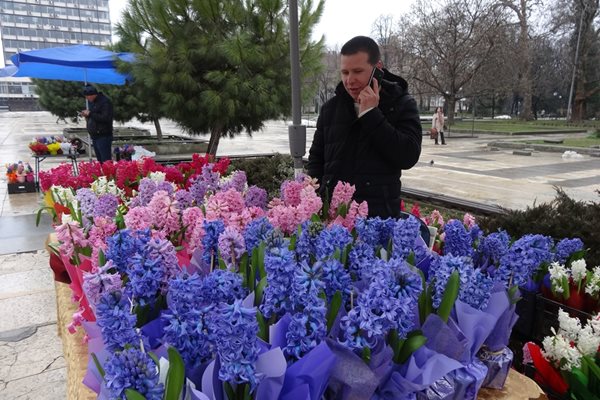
<point>296,131</point>
<point>569,104</point>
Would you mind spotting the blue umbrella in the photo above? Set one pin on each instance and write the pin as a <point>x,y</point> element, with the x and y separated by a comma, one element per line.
<point>8,71</point>
<point>72,63</point>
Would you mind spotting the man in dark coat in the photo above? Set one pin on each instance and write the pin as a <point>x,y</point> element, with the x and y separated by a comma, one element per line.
<point>368,133</point>
<point>99,121</point>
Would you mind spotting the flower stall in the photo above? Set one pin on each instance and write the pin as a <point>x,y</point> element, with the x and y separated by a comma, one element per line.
<point>19,178</point>
<point>192,284</point>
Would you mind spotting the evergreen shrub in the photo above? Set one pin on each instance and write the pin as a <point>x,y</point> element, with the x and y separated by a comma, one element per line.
<point>266,172</point>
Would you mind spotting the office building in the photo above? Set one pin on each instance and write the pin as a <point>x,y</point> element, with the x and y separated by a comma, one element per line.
<point>36,24</point>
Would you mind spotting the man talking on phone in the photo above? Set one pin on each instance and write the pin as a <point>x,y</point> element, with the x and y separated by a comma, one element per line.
<point>99,122</point>
<point>368,132</point>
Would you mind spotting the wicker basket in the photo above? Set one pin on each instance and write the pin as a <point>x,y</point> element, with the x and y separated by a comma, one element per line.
<point>75,350</point>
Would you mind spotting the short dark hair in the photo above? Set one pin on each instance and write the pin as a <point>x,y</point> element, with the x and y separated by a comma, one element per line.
<point>89,90</point>
<point>362,43</point>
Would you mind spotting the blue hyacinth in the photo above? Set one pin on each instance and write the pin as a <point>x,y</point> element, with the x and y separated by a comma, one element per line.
<point>491,249</point>
<point>116,322</point>
<point>332,239</point>
<point>524,259</point>
<point>565,248</point>
<point>458,241</point>
<point>280,265</point>
<point>360,259</point>
<point>210,241</point>
<point>235,329</point>
<point>132,369</point>
<point>306,243</point>
<point>222,286</point>
<point>123,245</point>
<point>375,231</point>
<point>189,333</point>
<point>336,278</point>
<point>185,293</point>
<point>406,233</point>
<point>389,303</point>
<point>308,324</point>
<point>255,232</point>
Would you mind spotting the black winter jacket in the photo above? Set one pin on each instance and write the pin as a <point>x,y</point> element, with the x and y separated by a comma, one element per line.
<point>369,152</point>
<point>100,121</point>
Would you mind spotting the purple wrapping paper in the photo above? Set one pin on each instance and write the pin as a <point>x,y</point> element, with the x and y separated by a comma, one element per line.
<point>312,370</point>
<point>278,330</point>
<point>272,366</point>
<point>476,325</point>
<point>351,378</point>
<point>154,331</point>
<point>500,335</point>
<point>460,384</point>
<point>446,339</point>
<point>423,368</point>
<point>498,364</point>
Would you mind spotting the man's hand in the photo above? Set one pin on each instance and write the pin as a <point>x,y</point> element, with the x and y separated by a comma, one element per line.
<point>369,97</point>
<point>85,113</point>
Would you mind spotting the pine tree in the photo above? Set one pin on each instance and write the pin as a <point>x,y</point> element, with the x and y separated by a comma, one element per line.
<point>218,66</point>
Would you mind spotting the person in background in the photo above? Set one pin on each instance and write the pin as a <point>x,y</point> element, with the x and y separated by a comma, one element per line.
<point>367,133</point>
<point>99,121</point>
<point>438,123</point>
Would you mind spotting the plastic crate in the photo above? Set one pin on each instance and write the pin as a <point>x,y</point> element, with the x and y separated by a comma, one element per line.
<point>526,308</point>
<point>546,316</point>
<point>25,187</point>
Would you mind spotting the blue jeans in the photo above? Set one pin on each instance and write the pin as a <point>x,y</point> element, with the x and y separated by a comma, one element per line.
<point>103,148</point>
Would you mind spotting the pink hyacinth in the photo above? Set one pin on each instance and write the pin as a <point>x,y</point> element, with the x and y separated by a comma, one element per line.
<point>342,194</point>
<point>469,220</point>
<point>290,192</point>
<point>71,237</point>
<point>103,228</point>
<point>437,219</point>
<point>191,215</point>
<point>216,209</point>
<point>138,218</point>
<point>284,218</point>
<point>165,212</point>
<point>310,203</point>
<point>356,210</point>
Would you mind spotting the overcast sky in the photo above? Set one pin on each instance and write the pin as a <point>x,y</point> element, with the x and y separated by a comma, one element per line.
<point>341,20</point>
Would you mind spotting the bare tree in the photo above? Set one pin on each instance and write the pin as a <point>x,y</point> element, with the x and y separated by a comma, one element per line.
<point>450,43</point>
<point>383,33</point>
<point>522,9</point>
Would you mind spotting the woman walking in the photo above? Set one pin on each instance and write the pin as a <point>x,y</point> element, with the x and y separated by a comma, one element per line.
<point>438,123</point>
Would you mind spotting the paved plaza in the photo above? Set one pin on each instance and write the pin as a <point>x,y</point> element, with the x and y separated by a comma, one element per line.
<point>31,362</point>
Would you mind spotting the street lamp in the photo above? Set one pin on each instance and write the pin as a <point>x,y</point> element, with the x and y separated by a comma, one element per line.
<point>296,131</point>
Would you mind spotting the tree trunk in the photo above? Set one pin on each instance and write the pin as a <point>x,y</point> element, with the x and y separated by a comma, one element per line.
<point>159,134</point>
<point>451,101</point>
<point>213,143</point>
<point>526,66</point>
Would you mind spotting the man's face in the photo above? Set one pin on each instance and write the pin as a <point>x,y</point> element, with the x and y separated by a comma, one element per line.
<point>91,97</point>
<point>356,71</point>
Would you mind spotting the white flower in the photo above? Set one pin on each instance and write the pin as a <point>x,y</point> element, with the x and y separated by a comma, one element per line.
<point>578,270</point>
<point>588,341</point>
<point>558,349</point>
<point>557,273</point>
<point>593,286</point>
<point>158,176</point>
<point>62,195</point>
<point>65,218</point>
<point>569,327</point>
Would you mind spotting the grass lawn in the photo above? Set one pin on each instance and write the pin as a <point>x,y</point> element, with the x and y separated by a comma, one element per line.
<point>573,142</point>
<point>490,125</point>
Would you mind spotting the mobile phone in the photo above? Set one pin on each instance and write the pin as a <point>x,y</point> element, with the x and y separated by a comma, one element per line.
<point>376,74</point>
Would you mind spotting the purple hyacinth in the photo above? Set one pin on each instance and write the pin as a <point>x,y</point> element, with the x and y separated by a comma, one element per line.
<point>165,186</point>
<point>237,181</point>
<point>235,330</point>
<point>146,190</point>
<point>458,241</point>
<point>231,247</point>
<point>132,369</point>
<point>106,206</point>
<point>222,286</point>
<point>116,322</point>
<point>87,202</point>
<point>210,177</point>
<point>185,293</point>
<point>255,232</point>
<point>491,249</point>
<point>198,190</point>
<point>256,197</point>
<point>375,231</point>
<point>565,248</point>
<point>332,239</point>
<point>184,199</point>
<point>405,236</point>
<point>101,281</point>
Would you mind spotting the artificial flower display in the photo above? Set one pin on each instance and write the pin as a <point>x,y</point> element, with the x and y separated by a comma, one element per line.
<point>43,145</point>
<point>19,172</point>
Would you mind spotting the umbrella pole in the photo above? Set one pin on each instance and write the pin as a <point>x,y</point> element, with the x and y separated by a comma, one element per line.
<point>87,107</point>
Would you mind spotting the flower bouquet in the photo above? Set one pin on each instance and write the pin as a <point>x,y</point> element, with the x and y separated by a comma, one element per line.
<point>569,362</point>
<point>19,172</point>
<point>46,145</point>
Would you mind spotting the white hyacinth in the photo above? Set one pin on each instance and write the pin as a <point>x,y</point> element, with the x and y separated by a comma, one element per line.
<point>569,327</point>
<point>578,270</point>
<point>557,273</point>
<point>558,349</point>
<point>158,176</point>
<point>593,285</point>
<point>103,186</point>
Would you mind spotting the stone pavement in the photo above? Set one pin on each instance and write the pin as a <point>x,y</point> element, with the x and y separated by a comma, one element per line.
<point>31,361</point>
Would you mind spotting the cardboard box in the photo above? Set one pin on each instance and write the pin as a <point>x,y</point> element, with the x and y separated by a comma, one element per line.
<point>25,187</point>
